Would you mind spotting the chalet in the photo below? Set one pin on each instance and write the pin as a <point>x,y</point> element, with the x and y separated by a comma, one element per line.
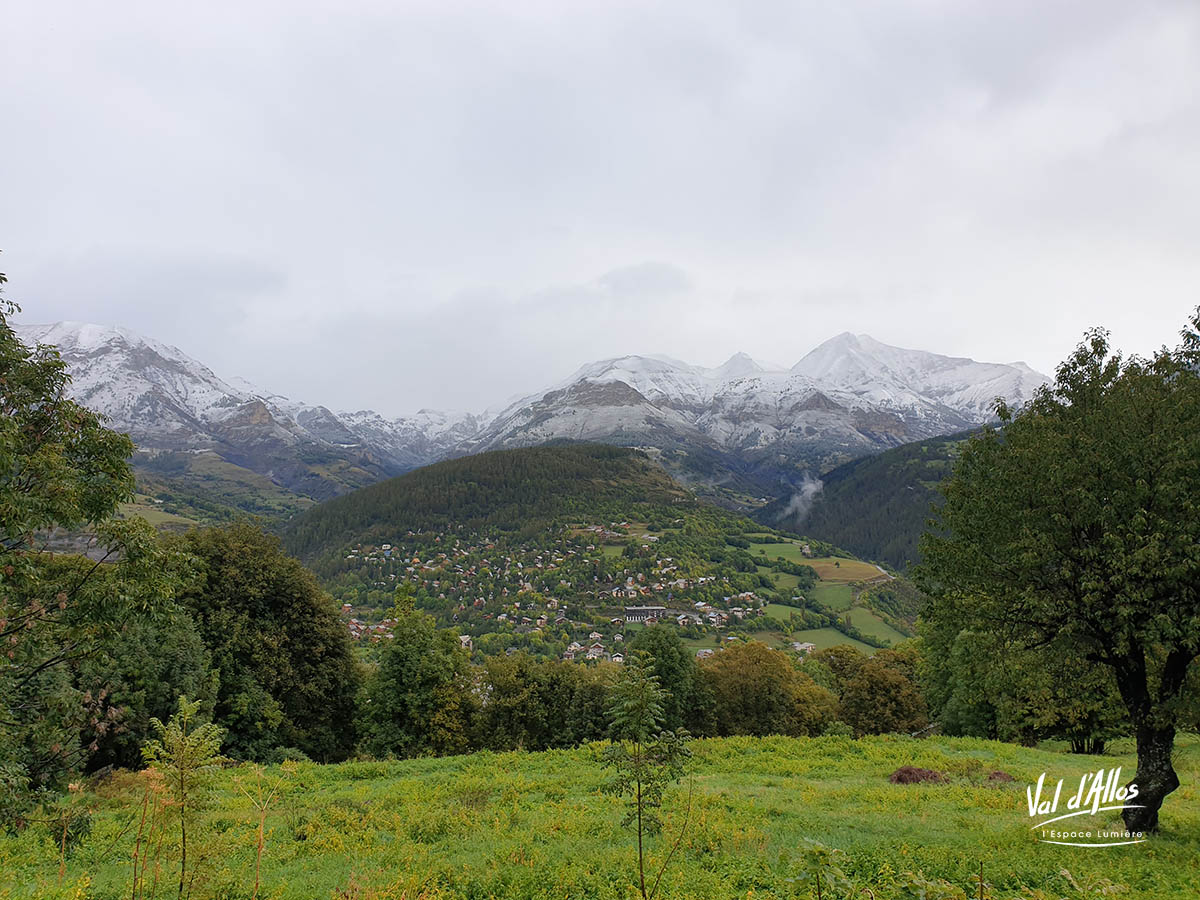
<point>642,613</point>
<point>465,641</point>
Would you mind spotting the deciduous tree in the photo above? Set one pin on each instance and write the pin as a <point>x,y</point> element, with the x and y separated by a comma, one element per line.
<point>286,667</point>
<point>419,702</point>
<point>185,751</point>
<point>757,690</point>
<point>645,757</point>
<point>1076,523</point>
<point>59,467</point>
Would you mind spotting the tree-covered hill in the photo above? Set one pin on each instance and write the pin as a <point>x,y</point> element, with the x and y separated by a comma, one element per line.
<point>511,492</point>
<point>542,549</point>
<point>876,507</point>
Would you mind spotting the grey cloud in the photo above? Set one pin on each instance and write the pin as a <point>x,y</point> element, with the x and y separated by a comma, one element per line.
<point>654,278</point>
<point>425,204</point>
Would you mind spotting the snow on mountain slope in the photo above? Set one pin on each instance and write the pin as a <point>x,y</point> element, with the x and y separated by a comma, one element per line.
<point>850,396</point>
<point>892,377</point>
<point>171,403</point>
<point>412,441</point>
<point>145,386</point>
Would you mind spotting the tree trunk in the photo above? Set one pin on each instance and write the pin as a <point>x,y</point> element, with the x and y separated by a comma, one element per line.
<point>1154,729</point>
<point>641,862</point>
<point>182,831</point>
<point>1155,777</point>
<point>1089,746</point>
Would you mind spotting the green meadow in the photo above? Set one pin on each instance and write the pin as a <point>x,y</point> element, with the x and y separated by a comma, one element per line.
<point>537,825</point>
<point>834,596</point>
<point>822,638</point>
<point>870,624</point>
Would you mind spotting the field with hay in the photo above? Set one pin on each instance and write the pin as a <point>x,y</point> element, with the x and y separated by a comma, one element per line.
<point>767,817</point>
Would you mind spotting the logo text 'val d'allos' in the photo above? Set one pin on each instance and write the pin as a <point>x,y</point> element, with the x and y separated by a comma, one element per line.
<point>1098,792</point>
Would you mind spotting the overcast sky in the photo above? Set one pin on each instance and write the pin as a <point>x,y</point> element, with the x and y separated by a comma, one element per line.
<point>396,205</point>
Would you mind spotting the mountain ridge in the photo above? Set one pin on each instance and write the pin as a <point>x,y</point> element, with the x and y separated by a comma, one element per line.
<point>744,427</point>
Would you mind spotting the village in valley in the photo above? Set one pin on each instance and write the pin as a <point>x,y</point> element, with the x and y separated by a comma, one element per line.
<point>578,593</point>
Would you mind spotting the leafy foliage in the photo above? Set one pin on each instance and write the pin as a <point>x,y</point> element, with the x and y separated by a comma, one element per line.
<point>644,756</point>
<point>978,684</point>
<point>59,466</point>
<point>186,754</point>
<point>419,700</point>
<point>757,690</point>
<point>287,673</point>
<point>884,696</point>
<point>684,700</point>
<point>532,704</point>
<point>1075,526</point>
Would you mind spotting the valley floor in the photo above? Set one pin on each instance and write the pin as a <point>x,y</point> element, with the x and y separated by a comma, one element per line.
<point>536,825</point>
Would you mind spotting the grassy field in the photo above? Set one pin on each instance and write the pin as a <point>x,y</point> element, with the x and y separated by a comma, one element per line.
<point>783,582</point>
<point>829,568</point>
<point>871,625</point>
<point>833,596</point>
<point>781,612</point>
<point>150,511</point>
<point>828,637</point>
<point>538,825</point>
<point>717,639</point>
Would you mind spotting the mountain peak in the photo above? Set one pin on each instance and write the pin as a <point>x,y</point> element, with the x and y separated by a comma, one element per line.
<point>79,335</point>
<point>839,354</point>
<point>738,364</point>
<point>852,394</point>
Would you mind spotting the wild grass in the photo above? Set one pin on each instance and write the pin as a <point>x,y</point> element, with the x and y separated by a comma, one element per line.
<point>828,637</point>
<point>831,568</point>
<point>537,825</point>
<point>833,596</point>
<point>870,624</point>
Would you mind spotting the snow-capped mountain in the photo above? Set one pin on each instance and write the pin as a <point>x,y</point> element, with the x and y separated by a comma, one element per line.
<point>170,403</point>
<point>744,422</point>
<point>890,377</point>
<point>850,396</point>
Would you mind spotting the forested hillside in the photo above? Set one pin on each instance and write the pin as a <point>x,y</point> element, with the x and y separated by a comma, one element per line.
<point>508,491</point>
<point>876,507</point>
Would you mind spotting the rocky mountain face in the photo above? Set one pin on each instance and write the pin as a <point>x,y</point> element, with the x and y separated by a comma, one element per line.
<point>180,413</point>
<point>742,425</point>
<point>757,427</point>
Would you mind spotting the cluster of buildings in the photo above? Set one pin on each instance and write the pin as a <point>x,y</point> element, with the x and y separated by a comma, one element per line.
<point>360,630</point>
<point>595,649</point>
<point>701,614</point>
<point>471,583</point>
